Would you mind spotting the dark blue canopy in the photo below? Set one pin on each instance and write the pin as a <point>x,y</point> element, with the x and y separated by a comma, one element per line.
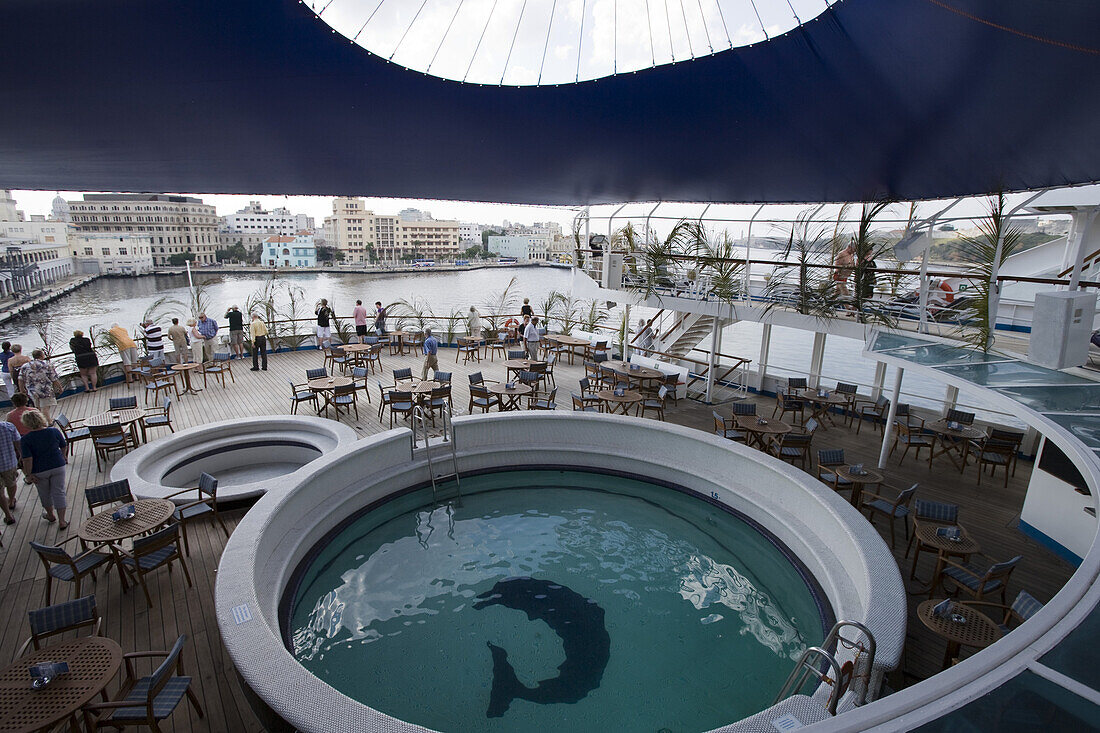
<point>907,99</point>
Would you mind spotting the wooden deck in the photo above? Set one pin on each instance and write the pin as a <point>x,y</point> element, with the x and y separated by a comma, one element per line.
<point>989,512</point>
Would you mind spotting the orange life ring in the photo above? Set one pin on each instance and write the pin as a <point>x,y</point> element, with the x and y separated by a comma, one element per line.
<point>511,323</point>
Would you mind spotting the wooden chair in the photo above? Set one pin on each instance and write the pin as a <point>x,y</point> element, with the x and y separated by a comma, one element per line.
<point>580,405</point>
<point>205,502</point>
<point>122,403</point>
<point>219,367</point>
<point>876,411</point>
<point>532,380</point>
<point>672,381</point>
<point>439,398</point>
<point>482,398</point>
<point>342,397</point>
<point>796,383</point>
<point>978,581</point>
<point>499,345</point>
<point>157,382</point>
<point>400,374</point>
<point>549,368</point>
<point>318,373</point>
<point>850,393</point>
<point>999,449</point>
<point>300,393</point>
<point>400,403</point>
<point>655,404</point>
<point>794,447</point>
<point>939,513</point>
<point>157,417</point>
<point>113,492</point>
<point>60,565</point>
<point>959,416</point>
<point>361,380</point>
<point>896,509</point>
<point>59,618</point>
<point>469,350</point>
<point>589,397</point>
<point>108,439</point>
<point>1024,607</point>
<point>727,428</point>
<point>744,409</point>
<point>337,357</point>
<point>156,550</point>
<point>477,379</point>
<point>543,403</point>
<point>372,358</point>
<point>592,373</point>
<point>72,431</point>
<point>910,438</point>
<point>785,403</point>
<point>145,701</point>
<point>828,461</point>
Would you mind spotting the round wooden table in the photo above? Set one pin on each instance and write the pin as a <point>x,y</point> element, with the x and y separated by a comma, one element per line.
<point>150,514</point>
<point>859,480</point>
<point>639,374</point>
<point>761,433</point>
<point>93,662</point>
<point>397,342</point>
<point>354,348</point>
<point>927,536</point>
<point>520,365</point>
<point>127,418</point>
<point>975,629</point>
<point>821,405</point>
<point>509,398</point>
<point>186,368</point>
<point>325,384</point>
<point>572,342</point>
<point>620,404</point>
<point>953,442</point>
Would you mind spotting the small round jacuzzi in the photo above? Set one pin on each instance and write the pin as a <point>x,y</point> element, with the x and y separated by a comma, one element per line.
<point>599,573</point>
<point>246,456</point>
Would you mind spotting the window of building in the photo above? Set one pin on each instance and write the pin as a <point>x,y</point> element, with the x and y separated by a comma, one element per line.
<point>106,251</point>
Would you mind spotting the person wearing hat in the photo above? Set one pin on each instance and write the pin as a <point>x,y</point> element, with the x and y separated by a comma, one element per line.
<point>236,330</point>
<point>258,331</point>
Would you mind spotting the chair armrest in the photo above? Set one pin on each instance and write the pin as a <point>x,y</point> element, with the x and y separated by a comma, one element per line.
<point>93,706</point>
<point>181,491</point>
<point>968,571</point>
<point>188,505</point>
<point>23,649</point>
<point>867,493</point>
<point>140,655</point>
<point>916,423</point>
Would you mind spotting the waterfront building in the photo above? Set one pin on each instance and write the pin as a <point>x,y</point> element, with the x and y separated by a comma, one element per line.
<point>254,219</point>
<point>364,236</point>
<point>8,212</point>
<point>524,247</point>
<point>284,251</point>
<point>35,252</point>
<point>469,233</point>
<point>178,225</point>
<point>59,211</point>
<point>112,254</point>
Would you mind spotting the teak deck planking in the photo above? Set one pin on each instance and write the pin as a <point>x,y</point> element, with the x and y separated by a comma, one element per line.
<point>989,512</point>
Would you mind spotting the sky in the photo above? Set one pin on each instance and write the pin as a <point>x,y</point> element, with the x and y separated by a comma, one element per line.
<point>555,41</point>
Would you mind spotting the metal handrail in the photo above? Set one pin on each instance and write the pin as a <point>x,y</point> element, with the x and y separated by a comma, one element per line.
<point>420,417</point>
<point>807,666</point>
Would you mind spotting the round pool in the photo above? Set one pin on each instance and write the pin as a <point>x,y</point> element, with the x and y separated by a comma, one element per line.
<point>554,600</point>
<point>248,456</point>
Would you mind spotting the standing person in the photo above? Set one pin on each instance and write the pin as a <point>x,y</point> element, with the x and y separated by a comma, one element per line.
<point>531,335</point>
<point>645,336</point>
<point>87,362</point>
<point>44,465</point>
<point>154,340</point>
<point>177,334</point>
<point>845,261</point>
<point>324,328</point>
<point>198,341</point>
<point>258,331</point>
<point>526,309</point>
<point>127,349</point>
<point>9,468</point>
<point>15,363</point>
<point>5,354</point>
<point>431,351</point>
<point>359,314</point>
<point>379,318</point>
<point>866,276</point>
<point>208,328</point>
<point>473,323</point>
<point>236,331</point>
<point>39,380</point>
<point>18,409</point>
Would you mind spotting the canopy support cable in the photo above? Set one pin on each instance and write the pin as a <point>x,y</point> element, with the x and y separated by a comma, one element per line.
<point>330,2</point>
<point>480,39</point>
<point>546,44</point>
<point>409,28</point>
<point>668,21</point>
<point>368,20</point>
<point>722,15</point>
<point>706,30</point>
<point>649,26</point>
<point>445,34</point>
<point>759,20</point>
<point>580,41</point>
<point>508,58</point>
<point>794,12</point>
<point>687,31</point>
<point>615,37</point>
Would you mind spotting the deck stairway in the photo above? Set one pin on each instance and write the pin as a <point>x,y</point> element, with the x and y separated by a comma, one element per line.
<point>678,334</point>
<point>685,334</point>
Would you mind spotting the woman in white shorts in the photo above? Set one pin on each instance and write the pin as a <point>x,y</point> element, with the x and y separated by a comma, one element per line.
<point>197,340</point>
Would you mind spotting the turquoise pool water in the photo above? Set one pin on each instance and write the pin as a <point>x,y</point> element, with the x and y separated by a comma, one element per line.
<point>554,600</point>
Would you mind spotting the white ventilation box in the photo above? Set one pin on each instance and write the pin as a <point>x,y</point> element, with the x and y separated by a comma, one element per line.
<point>1061,325</point>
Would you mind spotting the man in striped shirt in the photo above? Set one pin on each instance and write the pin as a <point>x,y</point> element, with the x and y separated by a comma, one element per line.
<point>154,340</point>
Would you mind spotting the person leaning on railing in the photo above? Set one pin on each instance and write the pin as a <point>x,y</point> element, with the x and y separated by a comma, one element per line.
<point>258,331</point>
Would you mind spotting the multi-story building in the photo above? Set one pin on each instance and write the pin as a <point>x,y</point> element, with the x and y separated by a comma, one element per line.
<point>253,219</point>
<point>296,251</point>
<point>469,233</point>
<point>32,253</point>
<point>364,236</point>
<point>8,212</point>
<point>112,254</point>
<point>177,224</point>
<point>524,247</point>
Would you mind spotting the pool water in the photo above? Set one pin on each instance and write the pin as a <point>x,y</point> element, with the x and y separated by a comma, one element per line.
<point>554,600</point>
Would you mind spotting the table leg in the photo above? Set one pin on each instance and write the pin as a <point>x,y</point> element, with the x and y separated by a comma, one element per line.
<point>951,652</point>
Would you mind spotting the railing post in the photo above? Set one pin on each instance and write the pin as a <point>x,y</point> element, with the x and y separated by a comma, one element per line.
<point>817,356</point>
<point>762,365</point>
<point>715,336</point>
<point>748,253</point>
<point>891,414</point>
<point>880,379</point>
<point>950,398</point>
<point>924,286</point>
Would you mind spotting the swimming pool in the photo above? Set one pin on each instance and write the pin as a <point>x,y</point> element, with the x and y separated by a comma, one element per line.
<point>554,600</point>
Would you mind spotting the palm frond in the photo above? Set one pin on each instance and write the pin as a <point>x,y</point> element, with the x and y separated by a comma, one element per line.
<point>979,251</point>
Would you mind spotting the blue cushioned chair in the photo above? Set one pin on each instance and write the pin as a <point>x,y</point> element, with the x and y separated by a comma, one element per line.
<point>202,503</point>
<point>744,408</point>
<point>145,701</point>
<point>828,461</point>
<point>159,549</point>
<point>482,398</point>
<point>318,373</point>
<point>1024,607</point>
<point>979,581</point>
<point>109,493</point>
<point>72,432</point>
<point>300,393</point>
<point>158,417</point>
<point>399,374</point>
<point>517,354</point>
<point>122,403</point>
<point>579,404</point>
<point>727,428</point>
<point>108,439</point>
<point>895,509</point>
<point>59,618</point>
<point>60,565</point>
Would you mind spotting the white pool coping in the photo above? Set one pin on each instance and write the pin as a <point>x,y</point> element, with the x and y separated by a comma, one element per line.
<point>849,559</point>
<point>145,466</point>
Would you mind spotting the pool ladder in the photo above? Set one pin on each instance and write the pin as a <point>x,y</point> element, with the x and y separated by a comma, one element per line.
<point>819,663</point>
<point>420,423</point>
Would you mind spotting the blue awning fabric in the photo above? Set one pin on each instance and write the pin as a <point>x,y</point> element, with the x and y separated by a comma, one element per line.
<point>903,99</point>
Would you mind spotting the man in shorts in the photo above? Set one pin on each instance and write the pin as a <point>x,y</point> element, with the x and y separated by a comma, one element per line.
<point>359,313</point>
<point>324,327</point>
<point>154,341</point>
<point>236,331</point>
<point>127,349</point>
<point>9,468</point>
